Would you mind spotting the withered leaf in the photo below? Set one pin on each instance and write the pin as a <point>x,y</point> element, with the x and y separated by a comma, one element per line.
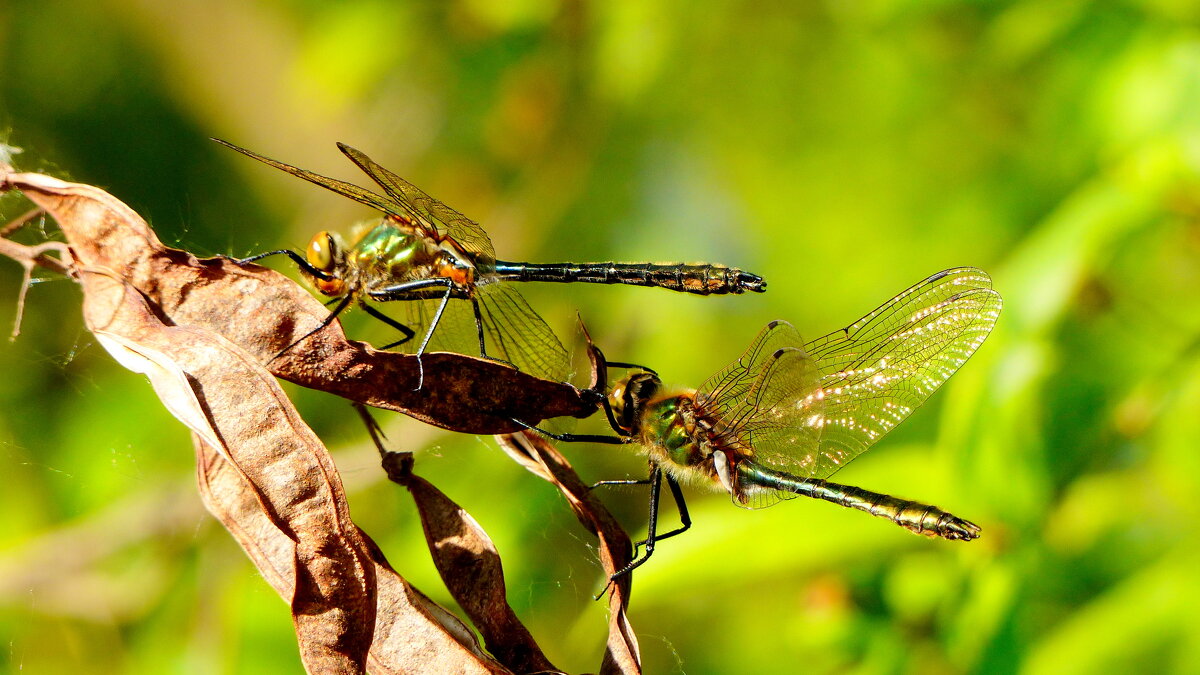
<point>470,567</point>
<point>543,459</point>
<point>412,634</point>
<point>200,329</point>
<point>229,401</point>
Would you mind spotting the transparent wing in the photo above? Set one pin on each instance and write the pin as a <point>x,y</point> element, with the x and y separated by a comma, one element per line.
<point>765,405</point>
<point>726,392</point>
<point>774,418</point>
<point>515,333</point>
<point>425,209</point>
<point>808,409</point>
<point>512,331</point>
<point>343,188</point>
<point>879,369</point>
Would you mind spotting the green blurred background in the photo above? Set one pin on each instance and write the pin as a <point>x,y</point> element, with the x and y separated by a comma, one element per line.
<point>843,150</point>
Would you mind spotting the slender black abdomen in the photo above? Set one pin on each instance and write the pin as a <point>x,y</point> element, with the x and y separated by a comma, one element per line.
<point>701,279</point>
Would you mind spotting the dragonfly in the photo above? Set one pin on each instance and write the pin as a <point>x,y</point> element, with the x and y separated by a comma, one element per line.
<point>776,423</point>
<point>427,253</point>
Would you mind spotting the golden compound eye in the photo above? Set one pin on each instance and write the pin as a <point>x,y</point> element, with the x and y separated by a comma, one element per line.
<point>320,251</point>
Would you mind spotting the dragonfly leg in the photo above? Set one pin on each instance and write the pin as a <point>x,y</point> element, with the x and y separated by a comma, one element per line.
<point>685,519</point>
<point>651,528</point>
<point>404,330</point>
<point>479,330</point>
<point>411,290</point>
<point>437,318</point>
<point>599,388</point>
<point>575,438</point>
<point>341,306</point>
<point>479,326</point>
<point>612,418</point>
<point>296,258</point>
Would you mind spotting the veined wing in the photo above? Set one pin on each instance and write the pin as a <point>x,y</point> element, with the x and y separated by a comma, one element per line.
<point>343,188</point>
<point>763,404</point>
<point>727,392</point>
<point>426,210</point>
<point>809,409</point>
<point>512,331</point>
<point>879,369</point>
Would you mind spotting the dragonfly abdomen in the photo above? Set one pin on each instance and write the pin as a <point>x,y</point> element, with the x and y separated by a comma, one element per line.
<point>914,516</point>
<point>701,279</point>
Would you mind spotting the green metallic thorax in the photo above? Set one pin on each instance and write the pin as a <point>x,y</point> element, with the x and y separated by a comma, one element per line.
<point>388,251</point>
<point>681,435</point>
<point>392,252</point>
<point>669,431</point>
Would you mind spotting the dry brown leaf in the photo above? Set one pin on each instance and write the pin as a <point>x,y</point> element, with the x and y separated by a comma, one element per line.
<point>542,459</point>
<point>264,312</point>
<point>200,330</point>
<point>412,634</point>
<point>470,567</point>
<point>227,399</point>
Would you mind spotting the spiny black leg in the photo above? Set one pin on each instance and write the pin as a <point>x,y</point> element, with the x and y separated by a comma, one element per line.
<point>328,320</point>
<point>296,258</point>
<point>655,490</point>
<point>479,329</point>
<point>575,438</point>
<point>608,412</point>
<point>410,290</point>
<point>437,318</point>
<point>685,519</point>
<point>404,330</point>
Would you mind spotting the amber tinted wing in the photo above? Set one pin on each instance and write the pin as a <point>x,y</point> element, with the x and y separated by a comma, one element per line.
<point>343,188</point>
<point>426,210</point>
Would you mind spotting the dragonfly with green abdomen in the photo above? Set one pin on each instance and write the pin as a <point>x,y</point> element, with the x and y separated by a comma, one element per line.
<point>788,414</point>
<point>433,256</point>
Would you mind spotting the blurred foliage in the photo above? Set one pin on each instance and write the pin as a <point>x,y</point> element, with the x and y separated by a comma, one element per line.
<point>841,149</point>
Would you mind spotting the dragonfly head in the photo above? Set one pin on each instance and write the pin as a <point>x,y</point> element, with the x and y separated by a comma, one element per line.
<point>629,397</point>
<point>324,252</point>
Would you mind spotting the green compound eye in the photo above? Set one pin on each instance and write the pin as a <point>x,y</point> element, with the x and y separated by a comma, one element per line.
<point>320,251</point>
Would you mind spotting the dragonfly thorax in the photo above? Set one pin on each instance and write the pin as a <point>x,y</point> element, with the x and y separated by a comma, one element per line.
<point>672,428</point>
<point>682,439</point>
<point>384,256</point>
